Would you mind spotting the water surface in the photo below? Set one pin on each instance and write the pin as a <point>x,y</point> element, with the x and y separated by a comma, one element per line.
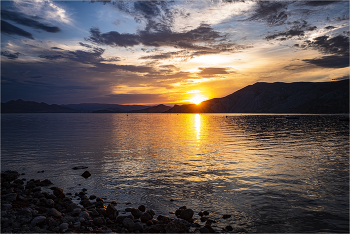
<point>271,174</point>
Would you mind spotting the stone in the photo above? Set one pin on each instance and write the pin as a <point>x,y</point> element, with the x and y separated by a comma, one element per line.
<point>67,219</point>
<point>50,203</point>
<point>86,174</point>
<point>77,225</point>
<point>186,214</point>
<point>142,208</point>
<point>226,216</point>
<point>176,226</point>
<point>24,216</point>
<point>151,212</point>
<point>204,230</point>
<point>200,213</point>
<point>63,226</point>
<point>136,212</point>
<point>128,223</point>
<point>86,203</point>
<point>101,211</point>
<point>99,221</point>
<point>9,176</point>
<point>58,192</point>
<point>9,197</point>
<point>45,182</point>
<point>37,220</point>
<point>145,217</point>
<point>136,227</point>
<point>79,167</point>
<point>84,214</point>
<point>92,197</point>
<point>76,211</point>
<point>229,228</point>
<point>111,211</point>
<point>55,213</point>
<point>72,207</point>
<point>120,218</point>
<point>206,212</point>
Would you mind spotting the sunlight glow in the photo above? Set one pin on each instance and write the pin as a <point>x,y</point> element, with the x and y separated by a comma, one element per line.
<point>198,99</point>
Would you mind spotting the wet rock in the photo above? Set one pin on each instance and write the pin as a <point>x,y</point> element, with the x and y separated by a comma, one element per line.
<point>63,227</point>
<point>9,197</point>
<point>146,217</point>
<point>99,221</point>
<point>77,225</point>
<point>136,227</point>
<point>128,223</point>
<point>136,213</point>
<point>204,230</point>
<point>92,197</point>
<point>86,174</point>
<point>229,228</point>
<point>186,214</point>
<point>67,219</point>
<point>58,192</point>
<point>206,212</point>
<point>84,214</point>
<point>226,216</point>
<point>24,216</point>
<point>37,220</point>
<point>101,211</point>
<point>45,182</point>
<point>142,208</point>
<point>200,213</point>
<point>86,203</point>
<point>76,211</point>
<point>71,207</point>
<point>79,167</point>
<point>176,226</point>
<point>203,219</point>
<point>54,212</point>
<point>211,230</point>
<point>111,211</point>
<point>52,222</point>
<point>9,176</point>
<point>120,218</point>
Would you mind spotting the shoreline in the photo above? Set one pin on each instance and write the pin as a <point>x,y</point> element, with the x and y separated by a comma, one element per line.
<point>26,208</point>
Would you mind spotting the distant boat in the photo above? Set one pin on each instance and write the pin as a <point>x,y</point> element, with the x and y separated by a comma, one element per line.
<point>292,117</point>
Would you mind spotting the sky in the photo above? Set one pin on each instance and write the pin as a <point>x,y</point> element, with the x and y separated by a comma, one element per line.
<point>166,52</point>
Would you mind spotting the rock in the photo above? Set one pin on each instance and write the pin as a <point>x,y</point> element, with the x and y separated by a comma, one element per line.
<point>151,212</point>
<point>51,222</point>
<point>86,203</point>
<point>86,174</point>
<point>9,197</point>
<point>79,167</point>
<point>45,182</point>
<point>76,211</point>
<point>186,214</point>
<point>63,226</point>
<point>136,227</point>
<point>58,192</point>
<point>128,209</point>
<point>203,219</point>
<point>128,223</point>
<point>204,230</point>
<point>77,225</point>
<point>9,176</point>
<point>24,216</point>
<point>84,214</point>
<point>229,228</point>
<point>111,211</point>
<point>100,200</point>
<point>211,230</point>
<point>176,226</point>
<point>200,213</point>
<point>146,217</point>
<point>67,219</point>
<point>92,197</point>
<point>50,203</point>
<point>37,220</point>
<point>72,207</point>
<point>206,212</point>
<point>54,212</point>
<point>101,211</point>
<point>99,221</point>
<point>226,216</point>
<point>142,208</point>
<point>120,218</point>
<point>136,212</point>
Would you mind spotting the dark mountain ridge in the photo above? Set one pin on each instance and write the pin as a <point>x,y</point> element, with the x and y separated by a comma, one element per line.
<point>298,97</point>
<point>20,106</point>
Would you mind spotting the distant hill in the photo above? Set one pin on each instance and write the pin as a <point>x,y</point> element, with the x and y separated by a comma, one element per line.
<point>300,97</point>
<point>20,106</point>
<point>104,108</point>
<point>154,109</point>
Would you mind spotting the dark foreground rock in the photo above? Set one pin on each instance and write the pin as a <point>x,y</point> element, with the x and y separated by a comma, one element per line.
<point>26,209</point>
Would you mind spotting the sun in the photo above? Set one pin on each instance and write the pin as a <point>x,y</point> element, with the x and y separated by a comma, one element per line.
<point>197,99</point>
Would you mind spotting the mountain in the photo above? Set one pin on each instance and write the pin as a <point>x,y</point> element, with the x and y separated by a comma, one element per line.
<point>20,106</point>
<point>153,109</point>
<point>299,97</point>
<point>105,108</point>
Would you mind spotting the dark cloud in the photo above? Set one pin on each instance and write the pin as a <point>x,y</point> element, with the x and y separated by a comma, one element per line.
<point>20,18</point>
<point>319,3</point>
<point>298,30</point>
<point>10,55</point>
<point>56,48</point>
<point>13,30</point>
<point>330,27</point>
<point>85,45</point>
<point>336,45</point>
<point>332,61</point>
<point>272,12</point>
<point>210,71</point>
<point>113,38</point>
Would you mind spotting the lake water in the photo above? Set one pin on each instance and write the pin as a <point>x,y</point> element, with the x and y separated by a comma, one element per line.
<point>271,174</point>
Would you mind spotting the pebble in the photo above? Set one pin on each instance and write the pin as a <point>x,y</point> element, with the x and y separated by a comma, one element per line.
<point>27,209</point>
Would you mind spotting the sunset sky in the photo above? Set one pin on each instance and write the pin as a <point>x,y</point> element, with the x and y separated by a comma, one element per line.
<point>166,52</point>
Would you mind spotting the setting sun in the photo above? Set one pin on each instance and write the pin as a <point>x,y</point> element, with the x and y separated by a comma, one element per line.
<point>197,99</point>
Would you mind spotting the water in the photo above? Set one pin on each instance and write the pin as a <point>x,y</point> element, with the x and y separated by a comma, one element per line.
<point>270,174</point>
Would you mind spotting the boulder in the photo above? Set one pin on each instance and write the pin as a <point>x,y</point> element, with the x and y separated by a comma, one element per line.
<point>9,176</point>
<point>55,213</point>
<point>136,213</point>
<point>63,226</point>
<point>142,208</point>
<point>99,221</point>
<point>186,214</point>
<point>37,220</point>
<point>136,227</point>
<point>145,217</point>
<point>176,226</point>
<point>111,211</point>
<point>86,174</point>
<point>128,223</point>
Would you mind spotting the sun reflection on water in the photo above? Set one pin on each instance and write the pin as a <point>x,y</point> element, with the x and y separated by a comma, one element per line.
<point>197,122</point>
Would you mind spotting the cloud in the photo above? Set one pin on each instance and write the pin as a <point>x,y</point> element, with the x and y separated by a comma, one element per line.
<point>113,38</point>
<point>10,55</point>
<point>210,71</point>
<point>332,61</point>
<point>298,29</point>
<point>272,12</point>
<point>13,30</point>
<point>319,3</point>
<point>20,18</point>
<point>336,45</point>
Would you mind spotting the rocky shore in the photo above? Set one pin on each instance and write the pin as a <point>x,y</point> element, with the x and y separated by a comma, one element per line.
<point>26,208</point>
